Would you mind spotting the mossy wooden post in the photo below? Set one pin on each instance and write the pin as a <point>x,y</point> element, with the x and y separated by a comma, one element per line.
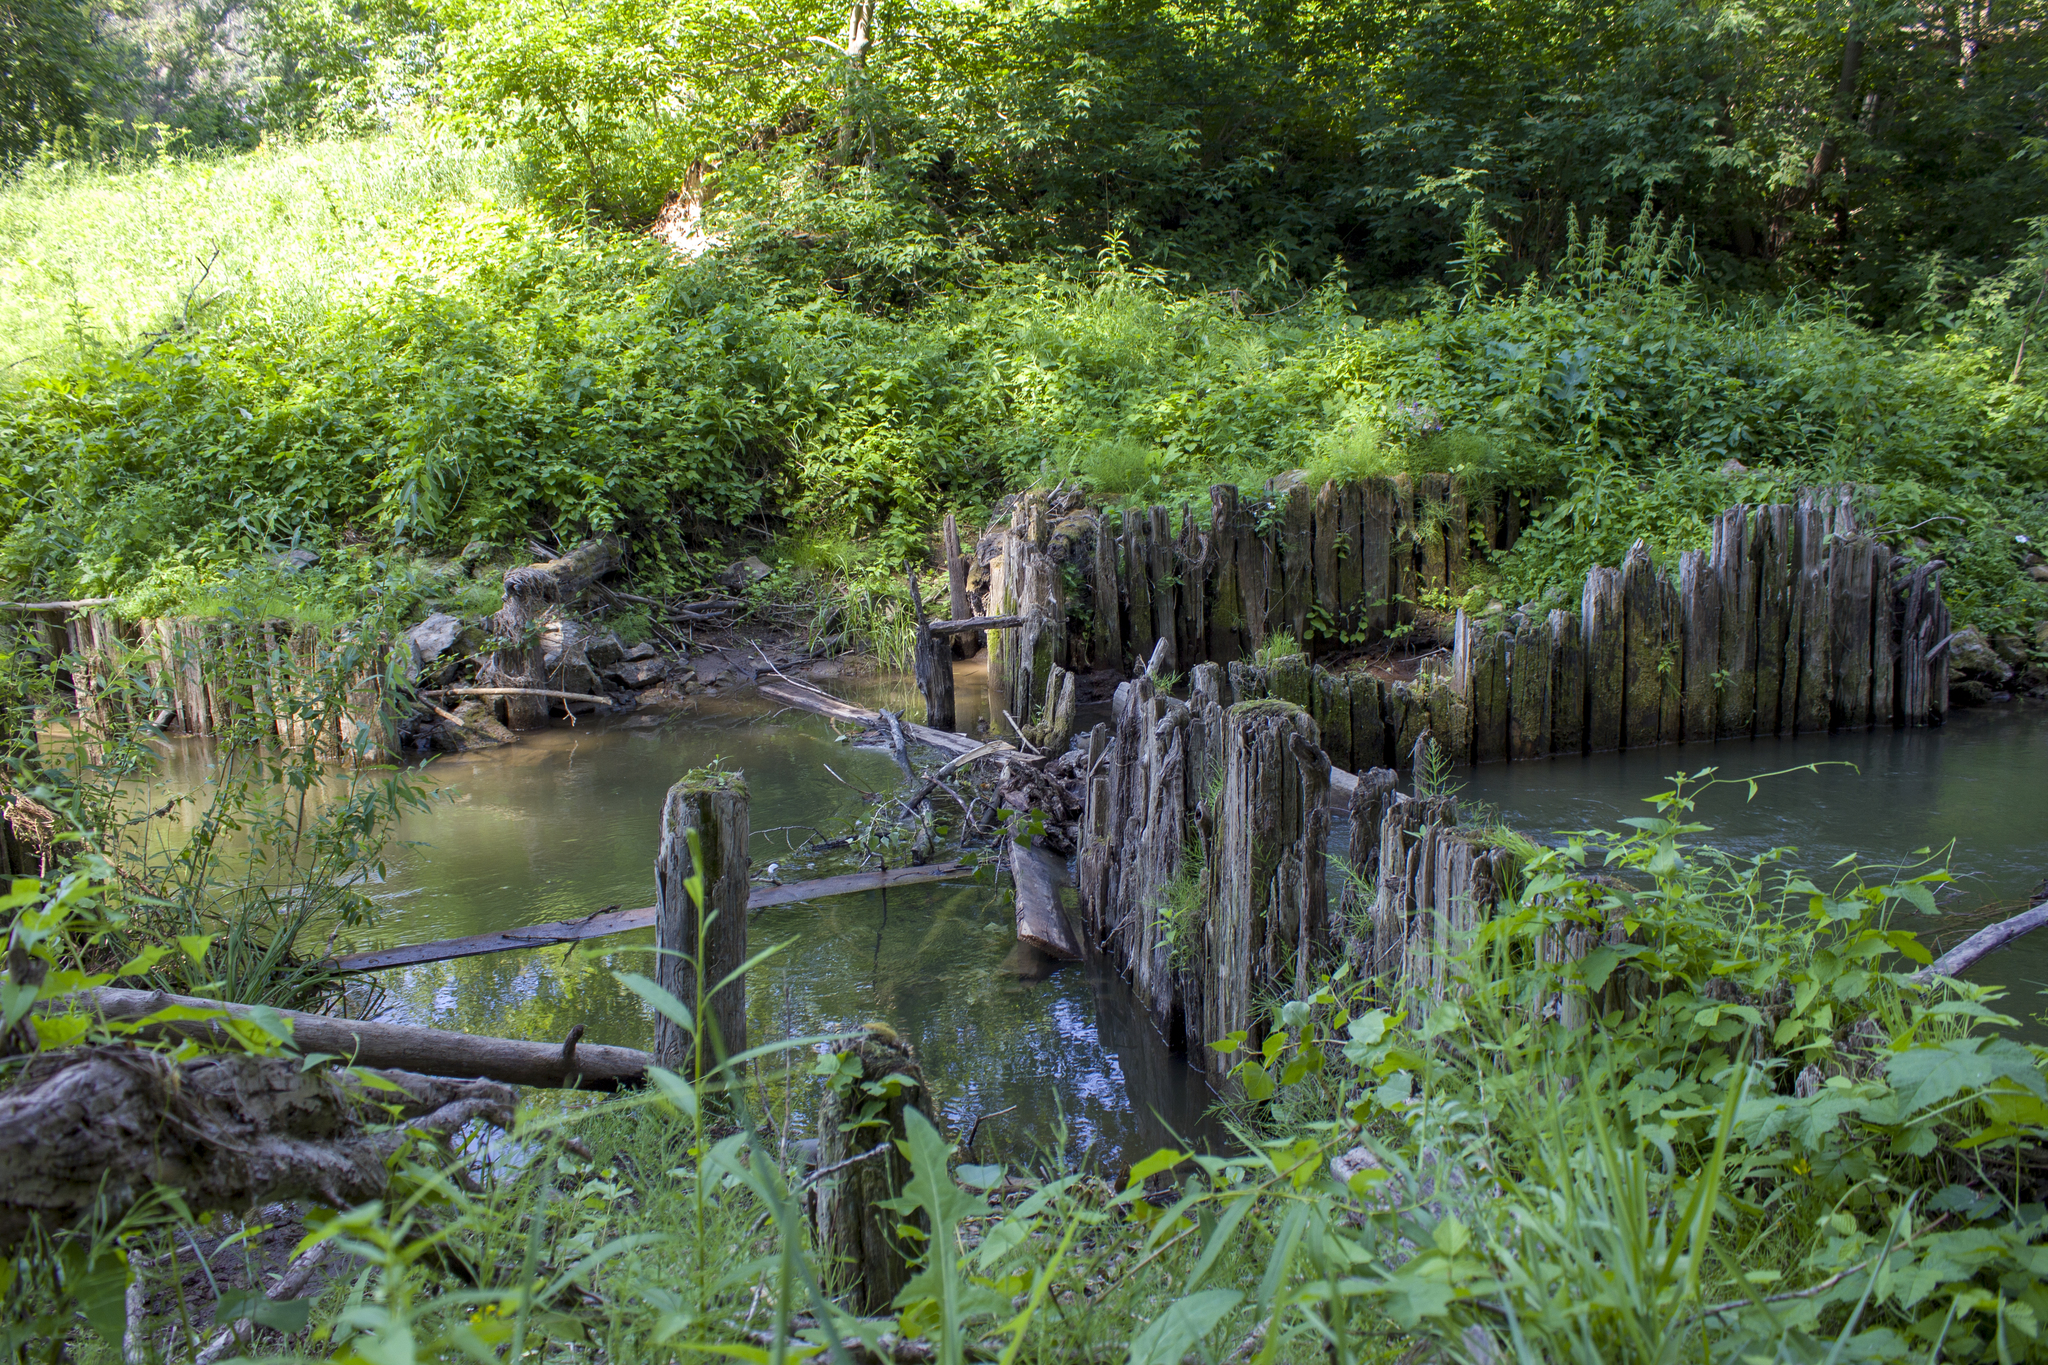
<point>1226,605</point>
<point>1738,624</point>
<point>1138,585</point>
<point>1529,677</point>
<point>1333,717</point>
<point>1432,517</point>
<point>1641,682</point>
<point>1603,628</point>
<point>1567,684</point>
<point>1699,599</point>
<point>1884,641</point>
<point>1450,718</point>
<point>1265,912</point>
<point>1366,809</point>
<point>933,663</point>
<point>1375,539</point>
<point>1106,594</point>
<point>714,806</point>
<point>966,644</point>
<point>1923,681</point>
<point>1479,670</point>
<point>866,1109</point>
<point>1402,541</point>
<point>1457,535</point>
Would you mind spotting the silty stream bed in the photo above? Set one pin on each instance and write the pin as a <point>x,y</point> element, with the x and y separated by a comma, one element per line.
<point>566,822</point>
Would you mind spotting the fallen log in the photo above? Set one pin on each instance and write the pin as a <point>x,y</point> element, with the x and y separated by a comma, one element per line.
<point>607,922</point>
<point>87,1135</point>
<point>807,698</point>
<point>964,625</point>
<point>87,604</point>
<point>1041,919</point>
<point>1984,942</point>
<point>426,1051</point>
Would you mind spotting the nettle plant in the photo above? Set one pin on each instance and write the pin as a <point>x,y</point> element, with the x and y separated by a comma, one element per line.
<point>1674,1103</point>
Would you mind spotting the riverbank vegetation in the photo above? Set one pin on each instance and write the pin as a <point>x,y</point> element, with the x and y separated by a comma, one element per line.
<point>825,297</point>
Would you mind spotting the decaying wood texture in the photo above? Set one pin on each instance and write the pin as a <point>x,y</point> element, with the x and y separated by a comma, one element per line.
<point>87,1134</point>
<point>530,590</point>
<point>430,1052</point>
<point>807,698</point>
<point>966,644</point>
<point>1265,913</point>
<point>1642,670</point>
<point>861,1168</point>
<point>1737,579</point>
<point>1042,887</point>
<point>608,922</point>
<point>1699,594</point>
<point>706,942</point>
<point>1603,626</point>
<point>1567,684</point>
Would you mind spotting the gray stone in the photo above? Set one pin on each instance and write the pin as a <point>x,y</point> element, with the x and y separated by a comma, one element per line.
<point>479,729</point>
<point>1967,693</point>
<point>639,673</point>
<point>291,561</point>
<point>643,650</point>
<point>1972,655</point>
<point>2039,573</point>
<point>2011,648</point>
<point>603,650</point>
<point>2041,635</point>
<point>2033,681</point>
<point>742,572</point>
<point>435,636</point>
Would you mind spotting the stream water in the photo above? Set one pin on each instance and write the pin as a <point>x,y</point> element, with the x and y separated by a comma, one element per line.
<point>566,822</point>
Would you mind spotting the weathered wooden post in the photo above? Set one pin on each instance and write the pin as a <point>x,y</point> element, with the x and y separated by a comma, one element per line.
<point>1265,912</point>
<point>933,663</point>
<point>965,645</point>
<point>857,1143</point>
<point>707,943</point>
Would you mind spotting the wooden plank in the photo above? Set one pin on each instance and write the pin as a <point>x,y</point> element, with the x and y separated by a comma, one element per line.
<point>1163,573</point>
<point>1043,891</point>
<point>1226,609</point>
<point>1375,538</point>
<point>1812,703</point>
<point>1347,615</point>
<point>1770,536</point>
<point>1643,650</point>
<point>1567,684</point>
<point>1431,521</point>
<point>1699,597</point>
<point>1671,670</point>
<point>1297,564</point>
<point>1333,717</point>
<point>1138,585</point>
<point>1849,579</point>
<point>1107,597</point>
<point>1603,629</point>
<point>1884,613</point>
<point>606,923</point>
<point>1325,555</point>
<point>1192,571</point>
<point>1738,624</point>
<point>1402,551</point>
<point>1529,678</point>
<point>1368,723</point>
<point>1487,695</point>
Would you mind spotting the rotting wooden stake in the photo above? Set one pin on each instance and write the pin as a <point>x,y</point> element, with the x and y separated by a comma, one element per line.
<point>714,806</point>
<point>862,1121</point>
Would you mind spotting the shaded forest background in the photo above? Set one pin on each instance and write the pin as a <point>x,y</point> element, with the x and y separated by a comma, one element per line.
<point>395,277</point>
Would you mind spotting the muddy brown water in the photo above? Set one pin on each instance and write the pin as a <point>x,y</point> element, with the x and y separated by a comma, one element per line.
<point>566,823</point>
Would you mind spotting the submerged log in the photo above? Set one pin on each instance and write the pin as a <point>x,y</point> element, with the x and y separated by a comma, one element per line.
<point>608,922</point>
<point>89,1135</point>
<point>862,1168</point>
<point>702,944</point>
<point>431,1052</point>
<point>1984,942</point>
<point>1042,887</point>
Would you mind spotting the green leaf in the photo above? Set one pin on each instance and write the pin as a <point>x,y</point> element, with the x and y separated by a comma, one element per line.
<point>1165,1159</point>
<point>285,1315</point>
<point>1256,1080</point>
<point>1185,1322</point>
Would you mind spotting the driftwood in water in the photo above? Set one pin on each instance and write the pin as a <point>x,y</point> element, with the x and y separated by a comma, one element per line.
<point>515,692</point>
<point>704,942</point>
<point>807,698</point>
<point>1984,942</point>
<point>431,1052</point>
<point>87,1135</point>
<point>975,623</point>
<point>861,1169</point>
<point>1042,885</point>
<point>607,922</point>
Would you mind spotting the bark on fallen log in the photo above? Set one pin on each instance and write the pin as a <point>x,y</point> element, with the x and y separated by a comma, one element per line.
<point>1984,942</point>
<point>86,1135</point>
<point>432,1052</point>
<point>964,625</point>
<point>625,921</point>
<point>808,698</point>
<point>1041,919</point>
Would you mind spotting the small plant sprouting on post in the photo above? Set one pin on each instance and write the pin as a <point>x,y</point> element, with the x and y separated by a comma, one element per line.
<point>1433,773</point>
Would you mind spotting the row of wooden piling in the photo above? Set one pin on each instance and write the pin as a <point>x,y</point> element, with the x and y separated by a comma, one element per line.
<point>205,676</point>
<point>1794,622</point>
